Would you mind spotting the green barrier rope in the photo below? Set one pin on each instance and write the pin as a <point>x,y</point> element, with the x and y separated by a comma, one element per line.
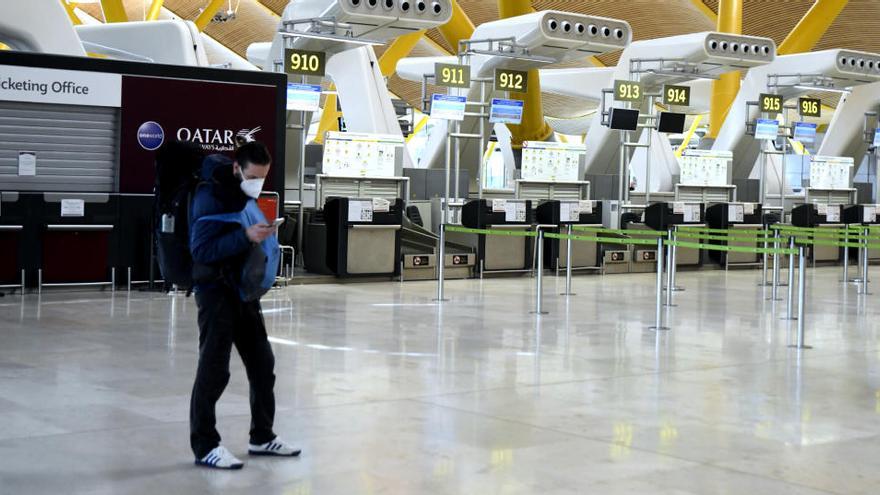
<point>729,238</point>
<point>623,232</point>
<point>602,240</point>
<point>509,233</point>
<point>732,249</point>
<point>685,228</point>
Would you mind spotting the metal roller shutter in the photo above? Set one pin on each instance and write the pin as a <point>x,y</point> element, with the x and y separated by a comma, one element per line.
<point>76,147</point>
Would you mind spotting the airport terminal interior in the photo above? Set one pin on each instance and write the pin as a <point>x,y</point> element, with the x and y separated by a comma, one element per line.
<point>447,247</point>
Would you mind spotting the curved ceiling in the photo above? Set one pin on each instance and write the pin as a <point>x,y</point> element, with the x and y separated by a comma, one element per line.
<point>857,28</point>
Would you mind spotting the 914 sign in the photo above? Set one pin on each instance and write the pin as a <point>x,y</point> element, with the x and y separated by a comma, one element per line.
<point>511,80</point>
<point>677,95</point>
<point>452,76</point>
<point>628,91</point>
<point>770,103</point>
<point>304,62</point>
<point>810,107</point>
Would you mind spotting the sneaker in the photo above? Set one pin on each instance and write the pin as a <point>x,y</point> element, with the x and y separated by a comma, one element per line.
<point>277,447</point>
<point>220,458</point>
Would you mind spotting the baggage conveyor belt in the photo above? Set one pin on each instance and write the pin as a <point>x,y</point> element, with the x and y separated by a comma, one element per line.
<point>418,247</point>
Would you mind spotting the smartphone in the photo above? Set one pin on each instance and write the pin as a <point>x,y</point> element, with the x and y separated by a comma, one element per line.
<point>277,223</point>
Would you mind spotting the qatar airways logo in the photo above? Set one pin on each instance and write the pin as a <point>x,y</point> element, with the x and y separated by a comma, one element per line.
<point>216,139</point>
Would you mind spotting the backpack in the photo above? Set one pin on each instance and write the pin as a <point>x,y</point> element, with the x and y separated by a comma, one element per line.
<point>260,265</point>
<point>178,166</point>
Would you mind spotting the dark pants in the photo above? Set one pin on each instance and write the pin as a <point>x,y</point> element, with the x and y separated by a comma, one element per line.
<point>225,320</point>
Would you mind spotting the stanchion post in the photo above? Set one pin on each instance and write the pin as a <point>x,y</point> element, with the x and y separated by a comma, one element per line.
<point>674,251</point>
<point>764,264</point>
<point>658,316</point>
<point>789,315</point>
<point>775,291</point>
<point>568,263</point>
<point>129,279</point>
<point>669,269</point>
<point>441,263</point>
<point>113,279</point>
<point>865,264</point>
<point>845,279</point>
<point>539,280</point>
<point>801,297</point>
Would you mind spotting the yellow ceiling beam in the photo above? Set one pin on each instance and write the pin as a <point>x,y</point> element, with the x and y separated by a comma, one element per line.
<point>205,17</point>
<point>533,127</point>
<point>458,28</point>
<point>68,7</point>
<point>155,10</point>
<point>114,11</point>
<point>812,26</point>
<point>398,49</point>
<point>724,90</point>
<point>4,46</point>
<point>329,117</point>
<point>708,12</point>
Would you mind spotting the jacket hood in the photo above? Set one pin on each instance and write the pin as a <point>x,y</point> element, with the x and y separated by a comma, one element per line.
<point>212,163</point>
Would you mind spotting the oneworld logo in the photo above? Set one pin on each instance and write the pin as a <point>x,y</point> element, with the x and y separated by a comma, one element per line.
<point>150,135</point>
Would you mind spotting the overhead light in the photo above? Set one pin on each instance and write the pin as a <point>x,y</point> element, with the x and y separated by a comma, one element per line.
<point>844,91</point>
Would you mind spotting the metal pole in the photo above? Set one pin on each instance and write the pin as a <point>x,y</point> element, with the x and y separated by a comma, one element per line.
<point>801,290</point>
<point>457,160</point>
<point>568,264</point>
<point>539,283</point>
<point>775,290</point>
<point>113,279</point>
<point>448,164</point>
<point>481,173</point>
<point>648,159</point>
<point>22,281</point>
<point>658,316</point>
<point>790,303</point>
<point>675,288</point>
<point>129,279</point>
<point>441,264</point>
<point>39,281</point>
<point>300,215</point>
<point>846,256</point>
<point>864,255</point>
<point>669,271</point>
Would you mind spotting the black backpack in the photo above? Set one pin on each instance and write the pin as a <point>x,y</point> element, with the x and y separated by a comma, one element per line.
<point>178,167</point>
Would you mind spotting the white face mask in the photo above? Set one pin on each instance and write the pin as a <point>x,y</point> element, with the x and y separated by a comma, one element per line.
<point>252,187</point>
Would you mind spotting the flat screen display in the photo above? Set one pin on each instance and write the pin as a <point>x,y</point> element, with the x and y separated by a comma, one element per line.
<point>624,119</point>
<point>671,122</point>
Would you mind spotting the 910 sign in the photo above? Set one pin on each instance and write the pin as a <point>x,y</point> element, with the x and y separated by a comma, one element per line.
<point>304,62</point>
<point>810,107</point>
<point>452,76</point>
<point>770,103</point>
<point>511,80</point>
<point>627,91</point>
<point>677,95</point>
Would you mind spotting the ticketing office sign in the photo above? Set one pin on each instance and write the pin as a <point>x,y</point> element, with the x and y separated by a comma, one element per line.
<point>63,87</point>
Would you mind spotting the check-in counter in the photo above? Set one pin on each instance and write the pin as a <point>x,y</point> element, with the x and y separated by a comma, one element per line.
<point>735,216</point>
<point>574,213</point>
<point>819,215</point>
<point>498,253</point>
<point>665,215</point>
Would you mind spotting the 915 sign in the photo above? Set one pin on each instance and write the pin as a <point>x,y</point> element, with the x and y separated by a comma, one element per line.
<point>304,62</point>
<point>770,103</point>
<point>511,80</point>
<point>810,107</point>
<point>628,91</point>
<point>452,76</point>
<point>677,95</point>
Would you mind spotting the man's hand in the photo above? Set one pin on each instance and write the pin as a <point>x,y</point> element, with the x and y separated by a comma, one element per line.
<point>259,232</point>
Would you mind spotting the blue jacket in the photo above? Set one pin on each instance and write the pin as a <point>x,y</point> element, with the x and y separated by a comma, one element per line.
<point>216,246</point>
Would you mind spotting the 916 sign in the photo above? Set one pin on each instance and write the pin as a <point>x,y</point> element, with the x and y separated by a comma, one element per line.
<point>810,107</point>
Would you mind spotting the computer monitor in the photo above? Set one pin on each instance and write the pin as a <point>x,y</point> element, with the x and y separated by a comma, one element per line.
<point>671,122</point>
<point>624,119</point>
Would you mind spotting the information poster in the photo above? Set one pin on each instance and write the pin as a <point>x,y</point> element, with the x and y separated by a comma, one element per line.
<point>303,97</point>
<point>448,107</point>
<point>831,172</point>
<point>360,210</point>
<point>506,111</point>
<point>515,211</point>
<point>805,132</point>
<point>869,214</point>
<point>73,208</point>
<point>569,211</point>
<point>735,213</point>
<point>27,163</point>
<point>348,154</point>
<point>766,129</point>
<point>555,162</point>
<point>705,167</point>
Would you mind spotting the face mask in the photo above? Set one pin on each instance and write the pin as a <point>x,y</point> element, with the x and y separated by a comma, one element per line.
<point>252,187</point>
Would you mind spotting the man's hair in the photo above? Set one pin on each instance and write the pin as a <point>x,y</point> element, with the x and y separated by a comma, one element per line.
<point>253,153</point>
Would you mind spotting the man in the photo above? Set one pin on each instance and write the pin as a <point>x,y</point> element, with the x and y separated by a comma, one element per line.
<point>218,251</point>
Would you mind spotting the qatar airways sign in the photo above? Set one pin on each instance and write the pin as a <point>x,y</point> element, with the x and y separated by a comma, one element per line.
<point>217,140</point>
<point>63,87</point>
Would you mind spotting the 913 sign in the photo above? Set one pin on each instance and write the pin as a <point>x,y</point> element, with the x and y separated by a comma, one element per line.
<point>511,80</point>
<point>452,76</point>
<point>677,95</point>
<point>810,107</point>
<point>770,103</point>
<point>627,91</point>
<point>304,62</point>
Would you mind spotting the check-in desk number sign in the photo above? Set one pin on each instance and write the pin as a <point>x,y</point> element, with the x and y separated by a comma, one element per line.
<point>511,80</point>
<point>770,103</point>
<point>810,107</point>
<point>304,62</point>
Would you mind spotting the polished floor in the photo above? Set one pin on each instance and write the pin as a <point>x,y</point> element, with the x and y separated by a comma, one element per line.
<point>391,393</point>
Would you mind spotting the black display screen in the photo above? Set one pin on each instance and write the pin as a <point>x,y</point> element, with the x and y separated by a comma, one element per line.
<point>671,122</point>
<point>624,119</point>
